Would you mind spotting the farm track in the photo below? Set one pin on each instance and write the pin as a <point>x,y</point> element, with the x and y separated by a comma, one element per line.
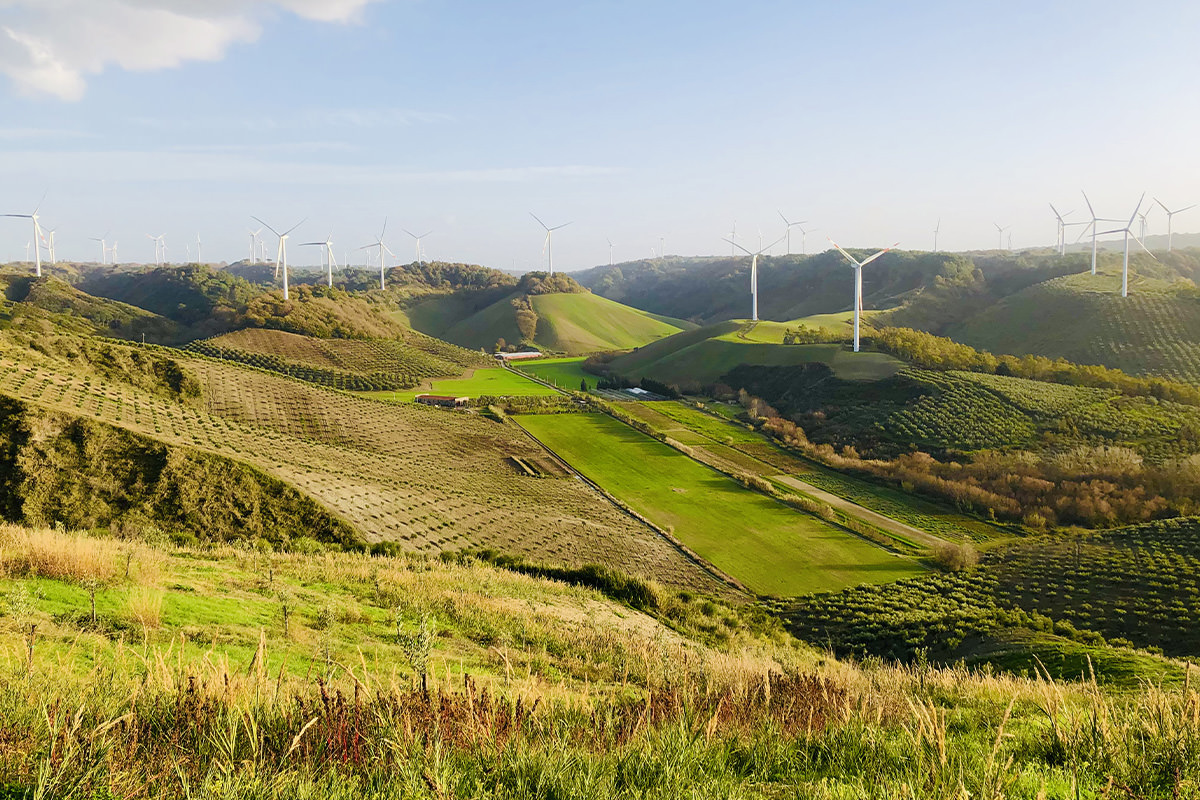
<point>428,479</point>
<point>865,514</point>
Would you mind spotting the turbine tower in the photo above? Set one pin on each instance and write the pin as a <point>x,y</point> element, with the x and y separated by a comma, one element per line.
<point>326,255</point>
<point>281,252</point>
<point>49,239</point>
<point>754,273</point>
<point>382,249</point>
<point>610,249</point>
<point>788,232</point>
<point>198,261</point>
<point>548,244</point>
<point>1170,216</point>
<point>1000,232</point>
<point>160,248</point>
<point>113,253</point>
<point>1093,226</point>
<point>732,239</point>
<point>37,235</point>
<point>857,266</point>
<point>937,229</point>
<point>418,241</point>
<point>103,246</point>
<point>1128,231</point>
<point>1062,229</point>
<point>253,241</point>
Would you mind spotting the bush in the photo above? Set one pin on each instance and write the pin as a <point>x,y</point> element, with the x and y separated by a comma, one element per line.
<point>955,557</point>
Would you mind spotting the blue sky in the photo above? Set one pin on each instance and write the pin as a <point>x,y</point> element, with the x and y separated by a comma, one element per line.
<point>633,120</point>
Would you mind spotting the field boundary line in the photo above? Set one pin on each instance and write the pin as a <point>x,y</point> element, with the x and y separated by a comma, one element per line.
<point>622,506</point>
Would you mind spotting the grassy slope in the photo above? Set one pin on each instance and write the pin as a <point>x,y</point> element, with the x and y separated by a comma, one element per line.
<point>770,548</point>
<point>571,323</point>
<point>428,479</point>
<point>1084,319</point>
<point>705,354</point>
<point>587,323</point>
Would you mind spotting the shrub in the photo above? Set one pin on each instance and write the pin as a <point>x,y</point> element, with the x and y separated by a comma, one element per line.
<point>955,557</point>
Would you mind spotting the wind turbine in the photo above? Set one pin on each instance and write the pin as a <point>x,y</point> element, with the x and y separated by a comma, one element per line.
<point>1000,232</point>
<point>281,253</point>
<point>1093,226</point>
<point>1128,231</point>
<point>382,248</point>
<point>1062,229</point>
<point>936,230</point>
<point>253,240</point>
<point>418,240</point>
<point>326,255</point>
<point>790,225</point>
<point>754,273</point>
<point>198,261</point>
<point>160,241</point>
<point>103,246</point>
<point>37,234</point>
<point>1170,215</point>
<point>1142,221</point>
<point>548,245</point>
<point>49,240</point>
<point>610,249</point>
<point>732,239</point>
<point>857,266</point>
<point>113,253</point>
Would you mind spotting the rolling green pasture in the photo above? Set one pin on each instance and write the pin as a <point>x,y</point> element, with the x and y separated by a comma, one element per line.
<point>494,381</point>
<point>769,547</point>
<point>562,372</point>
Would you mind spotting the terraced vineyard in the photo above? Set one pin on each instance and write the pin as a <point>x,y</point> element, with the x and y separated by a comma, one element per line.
<point>428,479</point>
<point>1139,585</point>
<point>352,364</point>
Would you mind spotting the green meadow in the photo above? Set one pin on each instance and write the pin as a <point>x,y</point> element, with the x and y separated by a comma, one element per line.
<point>769,547</point>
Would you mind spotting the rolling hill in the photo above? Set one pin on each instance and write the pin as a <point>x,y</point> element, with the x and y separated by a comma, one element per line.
<point>574,323</point>
<point>1083,318</point>
<point>702,356</point>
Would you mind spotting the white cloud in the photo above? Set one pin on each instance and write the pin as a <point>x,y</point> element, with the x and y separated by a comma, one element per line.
<point>51,46</point>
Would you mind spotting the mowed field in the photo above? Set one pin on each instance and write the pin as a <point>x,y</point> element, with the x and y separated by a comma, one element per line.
<point>429,479</point>
<point>562,372</point>
<point>770,548</point>
<point>492,381</point>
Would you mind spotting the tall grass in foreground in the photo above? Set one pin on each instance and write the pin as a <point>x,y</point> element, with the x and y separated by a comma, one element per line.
<point>176,729</point>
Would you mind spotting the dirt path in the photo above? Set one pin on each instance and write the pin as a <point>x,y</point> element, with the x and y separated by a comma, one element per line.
<point>865,514</point>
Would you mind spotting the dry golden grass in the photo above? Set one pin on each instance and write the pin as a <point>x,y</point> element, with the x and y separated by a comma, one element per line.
<point>58,555</point>
<point>144,606</point>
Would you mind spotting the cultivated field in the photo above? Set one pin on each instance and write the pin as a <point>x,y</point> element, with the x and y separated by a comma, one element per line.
<point>488,382</point>
<point>428,479</point>
<point>1083,318</point>
<point>355,364</point>
<point>769,547</point>
<point>703,356</point>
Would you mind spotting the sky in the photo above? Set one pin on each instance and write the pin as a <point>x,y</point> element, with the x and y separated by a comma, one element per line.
<point>641,122</point>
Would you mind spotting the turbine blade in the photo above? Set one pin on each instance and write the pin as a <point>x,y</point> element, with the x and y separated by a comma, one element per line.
<point>782,217</point>
<point>297,225</point>
<point>265,225</point>
<point>1143,246</point>
<point>535,216</point>
<point>877,255</point>
<point>849,257</point>
<point>556,227</point>
<point>772,244</point>
<point>738,246</point>
<point>1091,210</point>
<point>1139,208</point>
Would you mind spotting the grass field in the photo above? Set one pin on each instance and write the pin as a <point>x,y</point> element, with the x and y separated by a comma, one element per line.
<point>767,546</point>
<point>566,373</point>
<point>732,442</point>
<point>490,381</point>
<point>702,356</point>
<point>427,479</point>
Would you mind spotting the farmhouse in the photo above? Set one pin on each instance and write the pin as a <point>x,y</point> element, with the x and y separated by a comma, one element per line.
<point>446,400</point>
<point>523,356</point>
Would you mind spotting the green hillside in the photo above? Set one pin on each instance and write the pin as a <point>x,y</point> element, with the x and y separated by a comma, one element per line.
<point>575,323</point>
<point>1083,318</point>
<point>704,355</point>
